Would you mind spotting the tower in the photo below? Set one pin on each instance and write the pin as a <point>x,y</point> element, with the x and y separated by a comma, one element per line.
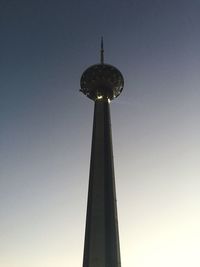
<point>101,83</point>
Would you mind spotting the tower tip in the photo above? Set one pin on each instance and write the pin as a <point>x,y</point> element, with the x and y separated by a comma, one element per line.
<point>102,51</point>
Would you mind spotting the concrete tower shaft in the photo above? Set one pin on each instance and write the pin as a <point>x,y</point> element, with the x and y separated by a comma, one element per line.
<point>101,235</point>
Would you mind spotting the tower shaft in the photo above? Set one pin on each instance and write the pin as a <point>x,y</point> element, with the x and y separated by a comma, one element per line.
<point>101,235</point>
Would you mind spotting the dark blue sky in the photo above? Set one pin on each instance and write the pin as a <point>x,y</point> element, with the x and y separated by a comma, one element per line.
<point>46,127</point>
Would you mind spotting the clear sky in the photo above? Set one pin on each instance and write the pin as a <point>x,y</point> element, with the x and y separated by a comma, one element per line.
<point>46,129</point>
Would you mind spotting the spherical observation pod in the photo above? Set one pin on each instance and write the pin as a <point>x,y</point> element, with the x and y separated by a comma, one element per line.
<point>102,81</point>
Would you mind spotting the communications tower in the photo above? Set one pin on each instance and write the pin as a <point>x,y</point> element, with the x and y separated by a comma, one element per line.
<point>101,83</point>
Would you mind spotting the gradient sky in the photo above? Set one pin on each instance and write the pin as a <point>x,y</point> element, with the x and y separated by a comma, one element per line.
<point>46,129</point>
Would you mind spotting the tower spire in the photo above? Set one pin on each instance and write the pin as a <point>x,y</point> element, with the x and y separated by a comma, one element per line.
<point>102,51</point>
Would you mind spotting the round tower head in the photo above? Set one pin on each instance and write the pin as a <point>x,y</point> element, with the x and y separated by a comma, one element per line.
<point>102,81</point>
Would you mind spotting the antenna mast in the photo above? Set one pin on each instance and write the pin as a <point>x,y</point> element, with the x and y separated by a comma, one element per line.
<point>102,52</point>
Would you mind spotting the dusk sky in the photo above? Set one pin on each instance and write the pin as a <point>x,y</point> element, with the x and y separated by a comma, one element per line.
<point>46,129</point>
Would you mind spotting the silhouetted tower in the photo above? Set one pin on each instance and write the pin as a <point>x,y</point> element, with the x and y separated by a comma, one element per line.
<point>101,83</point>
